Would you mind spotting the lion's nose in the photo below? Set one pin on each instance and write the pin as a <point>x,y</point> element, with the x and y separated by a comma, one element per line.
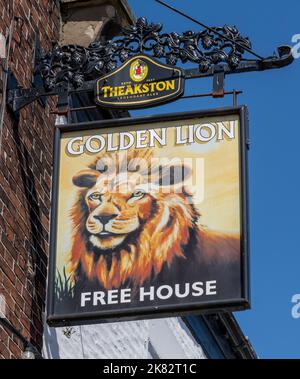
<point>104,219</point>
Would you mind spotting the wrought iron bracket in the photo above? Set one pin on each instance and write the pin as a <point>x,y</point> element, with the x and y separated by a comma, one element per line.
<point>18,97</point>
<point>218,84</point>
<point>63,104</point>
<point>215,51</point>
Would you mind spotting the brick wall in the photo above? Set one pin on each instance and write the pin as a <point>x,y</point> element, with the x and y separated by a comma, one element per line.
<point>25,176</point>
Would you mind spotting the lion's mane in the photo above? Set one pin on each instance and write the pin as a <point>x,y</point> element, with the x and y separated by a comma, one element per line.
<point>162,238</point>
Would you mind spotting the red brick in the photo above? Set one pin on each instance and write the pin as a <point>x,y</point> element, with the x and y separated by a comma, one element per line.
<point>7,270</point>
<point>4,336</point>
<point>4,352</point>
<point>25,165</point>
<point>15,349</point>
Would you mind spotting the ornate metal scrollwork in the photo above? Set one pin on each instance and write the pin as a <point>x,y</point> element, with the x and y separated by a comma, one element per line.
<point>74,68</point>
<point>72,65</point>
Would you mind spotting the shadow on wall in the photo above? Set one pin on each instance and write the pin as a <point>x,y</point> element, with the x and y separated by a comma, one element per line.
<point>51,347</point>
<point>36,246</point>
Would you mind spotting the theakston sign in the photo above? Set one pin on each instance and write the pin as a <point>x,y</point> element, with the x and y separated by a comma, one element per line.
<point>149,217</point>
<point>140,82</point>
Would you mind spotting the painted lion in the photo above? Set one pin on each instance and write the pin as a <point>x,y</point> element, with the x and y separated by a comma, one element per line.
<point>127,235</point>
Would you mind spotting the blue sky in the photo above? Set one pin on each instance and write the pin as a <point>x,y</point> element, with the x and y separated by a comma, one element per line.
<point>274,183</point>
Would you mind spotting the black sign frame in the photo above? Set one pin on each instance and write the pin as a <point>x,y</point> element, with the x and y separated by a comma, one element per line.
<point>149,312</point>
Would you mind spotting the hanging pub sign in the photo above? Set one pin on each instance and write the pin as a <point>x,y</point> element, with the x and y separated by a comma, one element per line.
<point>140,82</point>
<point>149,218</point>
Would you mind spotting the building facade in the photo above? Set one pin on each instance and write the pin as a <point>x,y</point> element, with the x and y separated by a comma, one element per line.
<point>26,142</point>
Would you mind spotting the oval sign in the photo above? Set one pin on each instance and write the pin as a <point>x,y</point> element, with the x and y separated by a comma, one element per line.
<point>140,82</point>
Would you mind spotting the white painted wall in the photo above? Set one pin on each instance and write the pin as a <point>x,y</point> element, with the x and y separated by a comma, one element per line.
<point>163,338</point>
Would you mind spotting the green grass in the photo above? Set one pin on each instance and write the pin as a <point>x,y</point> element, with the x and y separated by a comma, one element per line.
<point>64,292</point>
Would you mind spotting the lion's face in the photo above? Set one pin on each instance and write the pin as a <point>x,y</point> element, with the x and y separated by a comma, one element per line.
<point>117,207</point>
<point>113,216</point>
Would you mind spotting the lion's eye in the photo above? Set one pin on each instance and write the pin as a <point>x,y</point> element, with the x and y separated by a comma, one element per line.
<point>138,193</point>
<point>95,196</point>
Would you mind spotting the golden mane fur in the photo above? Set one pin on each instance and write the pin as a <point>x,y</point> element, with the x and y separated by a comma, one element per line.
<point>168,222</point>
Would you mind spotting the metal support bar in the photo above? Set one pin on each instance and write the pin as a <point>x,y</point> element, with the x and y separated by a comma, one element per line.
<point>63,104</point>
<point>214,50</point>
<point>7,325</point>
<point>234,93</point>
<point>18,98</point>
<point>26,343</point>
<point>285,59</point>
<point>77,109</point>
<point>37,80</point>
<point>218,84</point>
<point>208,28</point>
